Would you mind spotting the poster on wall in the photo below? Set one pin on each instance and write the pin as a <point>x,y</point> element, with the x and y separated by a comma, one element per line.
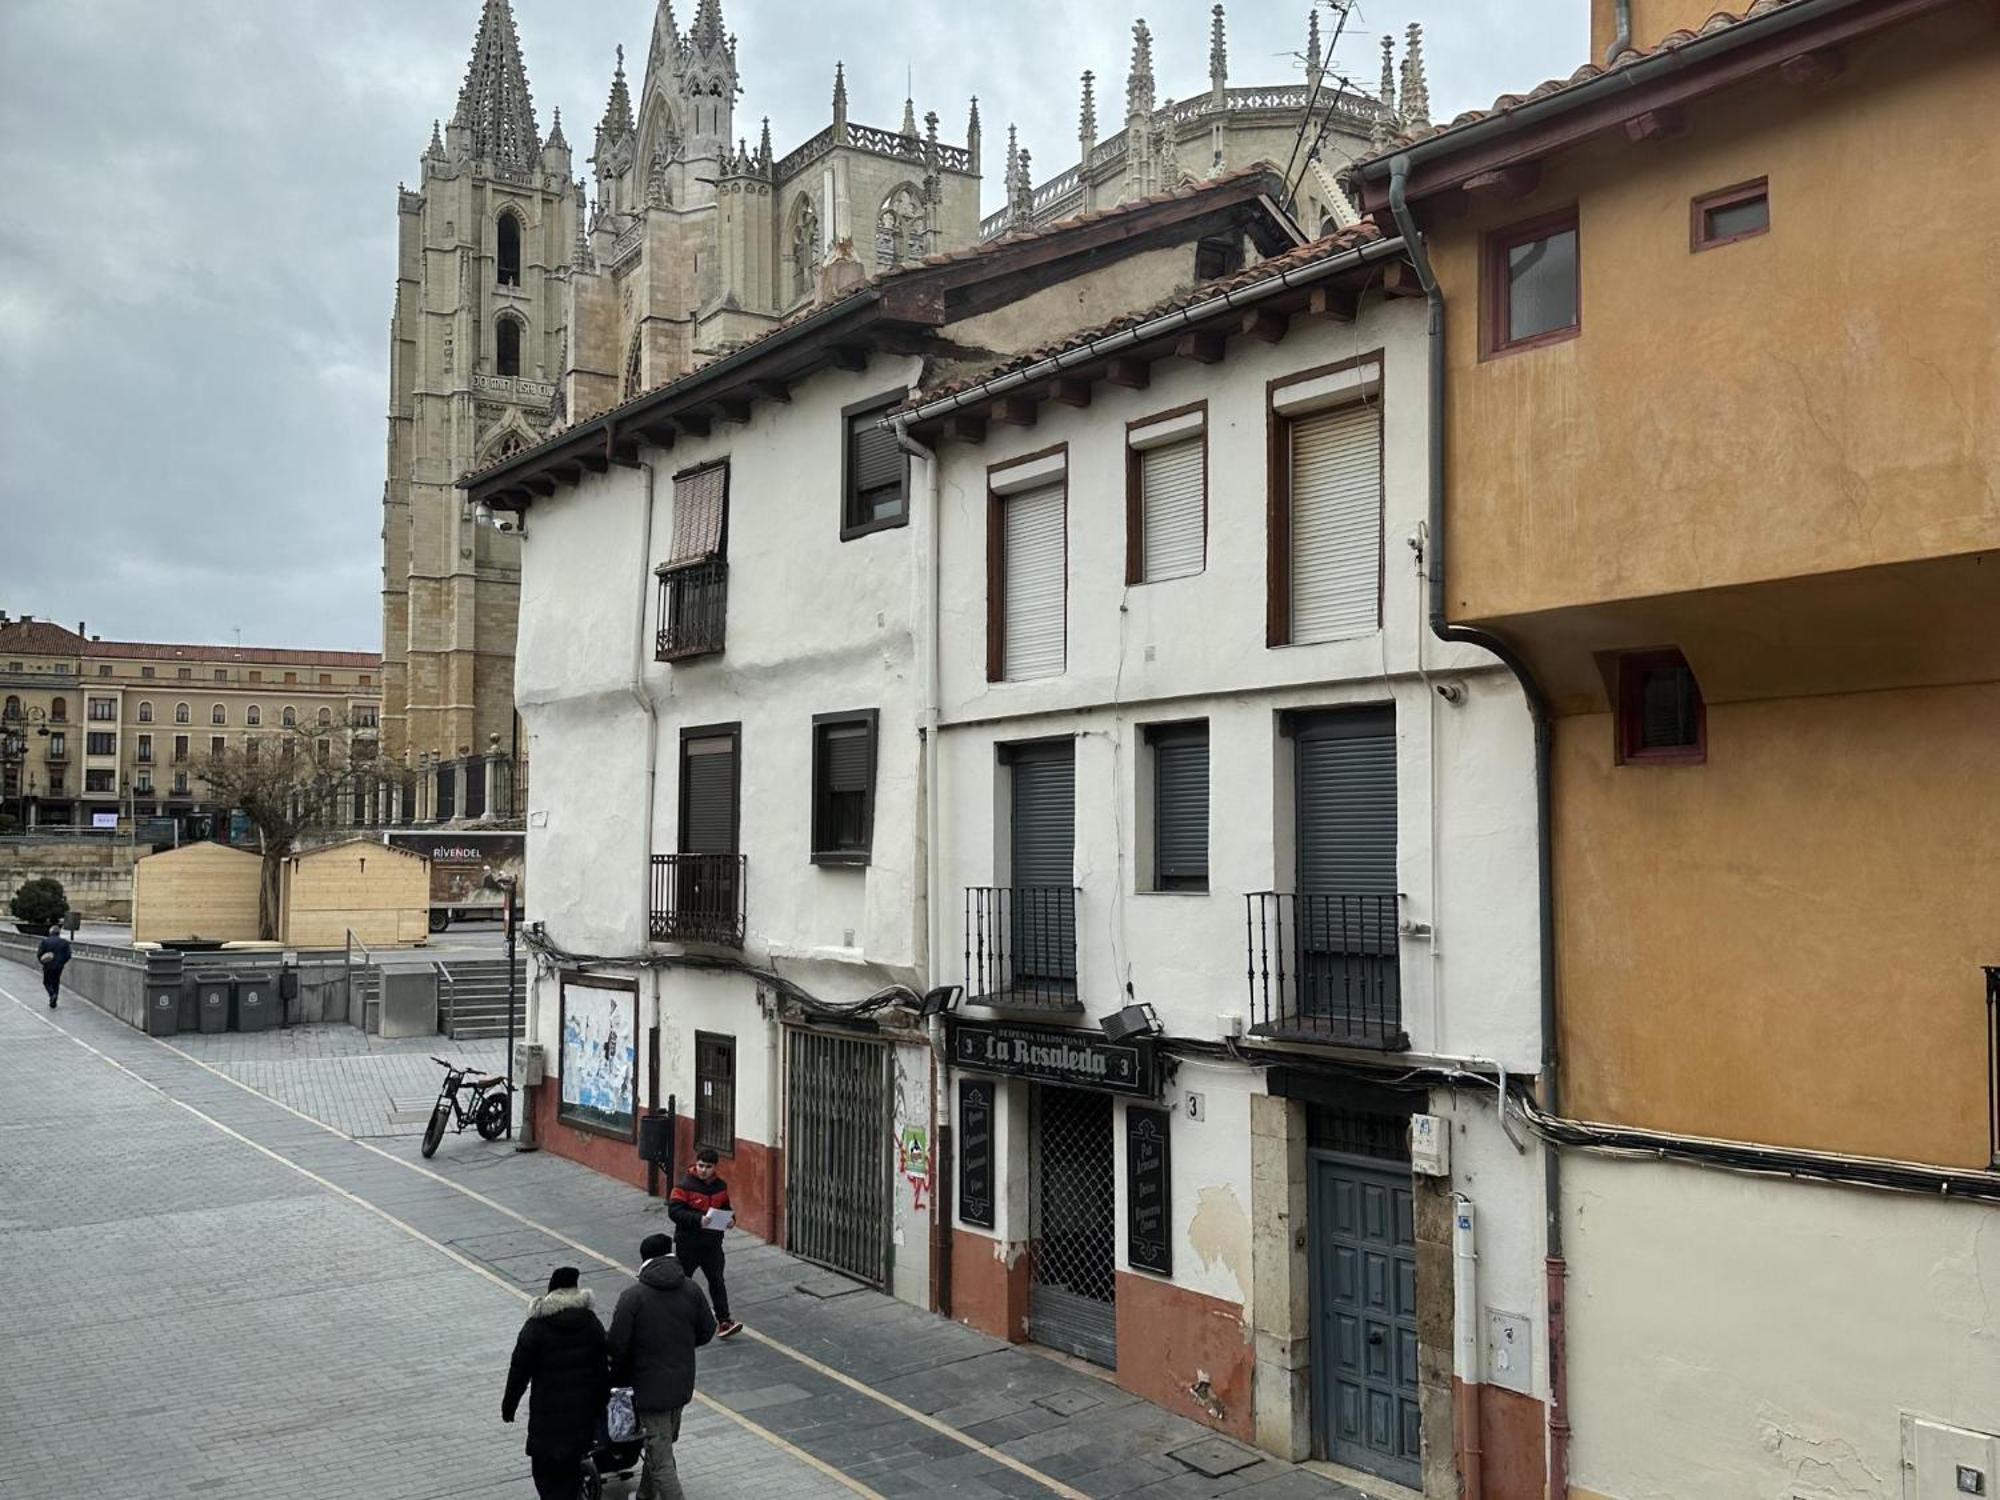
<point>600,1055</point>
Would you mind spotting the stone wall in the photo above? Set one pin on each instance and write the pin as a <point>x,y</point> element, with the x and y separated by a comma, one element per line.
<point>96,874</point>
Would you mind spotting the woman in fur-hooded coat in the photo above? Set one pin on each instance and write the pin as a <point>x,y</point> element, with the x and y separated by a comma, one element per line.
<point>561,1361</point>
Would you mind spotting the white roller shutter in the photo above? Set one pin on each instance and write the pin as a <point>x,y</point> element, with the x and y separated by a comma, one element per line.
<point>1172,481</point>
<point>1033,560</point>
<point>1336,523</point>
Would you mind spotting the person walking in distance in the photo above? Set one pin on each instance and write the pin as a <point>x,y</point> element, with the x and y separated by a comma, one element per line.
<point>52,953</point>
<point>561,1360</point>
<point>658,1324</point>
<point>701,1213</point>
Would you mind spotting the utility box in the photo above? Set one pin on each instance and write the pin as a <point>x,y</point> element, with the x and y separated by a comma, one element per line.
<point>213,991</point>
<point>1430,1145</point>
<point>528,1063</point>
<point>1948,1463</point>
<point>656,1139</point>
<point>255,1005</point>
<point>409,1000</point>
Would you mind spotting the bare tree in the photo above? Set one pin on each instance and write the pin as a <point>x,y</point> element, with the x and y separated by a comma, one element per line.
<point>290,782</point>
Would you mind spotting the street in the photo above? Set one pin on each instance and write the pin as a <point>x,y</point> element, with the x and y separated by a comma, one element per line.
<point>232,1275</point>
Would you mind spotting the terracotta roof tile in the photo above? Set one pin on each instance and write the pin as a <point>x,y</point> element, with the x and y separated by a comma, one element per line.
<point>287,655</point>
<point>40,638</point>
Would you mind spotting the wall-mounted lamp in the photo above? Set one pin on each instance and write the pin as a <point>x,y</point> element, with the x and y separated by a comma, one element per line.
<point>1133,1020</point>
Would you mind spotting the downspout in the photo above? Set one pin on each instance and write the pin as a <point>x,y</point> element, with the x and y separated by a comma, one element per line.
<point>637,688</point>
<point>1621,41</point>
<point>1555,1267</point>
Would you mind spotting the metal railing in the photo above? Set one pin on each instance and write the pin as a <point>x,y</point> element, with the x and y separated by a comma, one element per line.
<point>1325,968</point>
<point>698,898</point>
<point>447,997</point>
<point>1020,947</point>
<point>694,610</point>
<point>1993,1063</point>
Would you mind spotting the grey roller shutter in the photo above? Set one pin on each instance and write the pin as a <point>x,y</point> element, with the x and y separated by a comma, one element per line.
<point>1173,483</point>
<point>1033,546</point>
<point>1347,805</point>
<point>878,468</point>
<point>1180,811</point>
<point>847,757</point>
<point>1336,523</point>
<point>708,807</point>
<point>1043,913</point>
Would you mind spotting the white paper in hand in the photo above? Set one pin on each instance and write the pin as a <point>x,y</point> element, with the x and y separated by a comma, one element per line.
<point>717,1218</point>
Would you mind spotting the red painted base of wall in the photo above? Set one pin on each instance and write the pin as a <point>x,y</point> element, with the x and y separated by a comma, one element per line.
<point>986,1292</point>
<point>1189,1353</point>
<point>1512,1452</point>
<point>754,1171</point>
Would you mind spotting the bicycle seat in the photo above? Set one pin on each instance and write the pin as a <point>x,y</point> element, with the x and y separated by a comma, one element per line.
<point>489,1081</point>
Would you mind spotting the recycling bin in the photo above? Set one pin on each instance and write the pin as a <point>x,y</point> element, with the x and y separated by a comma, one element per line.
<point>213,992</point>
<point>255,1005</point>
<point>163,990</point>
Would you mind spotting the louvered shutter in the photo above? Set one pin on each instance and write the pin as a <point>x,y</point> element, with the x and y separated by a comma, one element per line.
<point>1180,810</point>
<point>1336,523</point>
<point>1032,554</point>
<point>1044,815</point>
<point>701,512</point>
<point>1172,483</point>
<point>876,471</point>
<point>847,758</point>
<point>1347,806</point>
<point>708,797</point>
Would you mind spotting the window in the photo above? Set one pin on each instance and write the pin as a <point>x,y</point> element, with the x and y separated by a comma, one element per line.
<point>715,1092</point>
<point>1531,286</point>
<point>325,717</point>
<point>104,671</point>
<point>58,710</point>
<point>510,250</point>
<point>143,671</point>
<point>58,746</point>
<point>1180,806</point>
<point>181,714</point>
<point>507,347</point>
<point>222,674</point>
<point>290,718</point>
<point>180,783</point>
<point>217,745</point>
<point>365,716</point>
<point>326,679</point>
<point>100,781</point>
<point>250,751</point>
<point>255,676</point>
<point>1166,495</point>
<point>323,752</point>
<point>253,716</point>
<point>1027,584</point>
<point>843,787</point>
<point>1731,214</point>
<point>145,751</point>
<point>218,715</point>
<point>291,677</point>
<point>100,742</point>
<point>694,580</point>
<point>1661,718</point>
<point>1323,570</point>
<point>145,713</point>
<point>104,710</point>
<point>899,227</point>
<point>180,749</point>
<point>143,784</point>
<point>184,674</point>
<point>12,709</point>
<point>805,248</point>
<point>875,472</point>
<point>58,784</point>
<point>367,679</point>
<point>1216,257</point>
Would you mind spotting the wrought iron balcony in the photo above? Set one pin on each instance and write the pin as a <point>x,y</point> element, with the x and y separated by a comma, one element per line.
<point>1020,947</point>
<point>698,898</point>
<point>1325,969</point>
<point>694,607</point>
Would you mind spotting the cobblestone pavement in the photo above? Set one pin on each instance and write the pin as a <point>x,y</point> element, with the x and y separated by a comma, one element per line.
<point>192,1315</point>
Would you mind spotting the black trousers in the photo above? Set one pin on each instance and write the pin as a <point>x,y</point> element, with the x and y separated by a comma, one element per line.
<point>52,981</point>
<point>558,1478</point>
<point>706,1259</point>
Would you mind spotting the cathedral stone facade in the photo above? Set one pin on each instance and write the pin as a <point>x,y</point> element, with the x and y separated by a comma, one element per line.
<point>530,296</point>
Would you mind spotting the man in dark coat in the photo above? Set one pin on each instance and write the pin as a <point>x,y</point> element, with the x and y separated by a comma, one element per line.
<point>52,953</point>
<point>658,1325</point>
<point>562,1355</point>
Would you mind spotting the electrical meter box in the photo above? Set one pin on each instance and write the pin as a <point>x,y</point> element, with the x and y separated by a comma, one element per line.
<point>1430,1145</point>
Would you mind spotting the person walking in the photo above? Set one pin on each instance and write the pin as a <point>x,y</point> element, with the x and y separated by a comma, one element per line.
<point>695,1207</point>
<point>658,1324</point>
<point>52,953</point>
<point>562,1361</point>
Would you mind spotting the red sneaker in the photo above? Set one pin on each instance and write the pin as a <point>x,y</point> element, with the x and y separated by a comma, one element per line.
<point>728,1329</point>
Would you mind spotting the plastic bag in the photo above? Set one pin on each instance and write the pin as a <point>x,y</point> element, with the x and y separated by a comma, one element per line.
<point>620,1422</point>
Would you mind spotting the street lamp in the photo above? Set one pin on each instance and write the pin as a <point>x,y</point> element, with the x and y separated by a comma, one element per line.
<point>507,885</point>
<point>14,745</point>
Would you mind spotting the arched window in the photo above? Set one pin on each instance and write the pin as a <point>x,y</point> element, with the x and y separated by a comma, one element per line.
<point>507,347</point>
<point>805,247</point>
<point>899,228</point>
<point>253,716</point>
<point>59,710</point>
<point>180,713</point>
<point>510,250</point>
<point>291,718</point>
<point>13,708</point>
<point>325,717</point>
<point>145,713</point>
<point>218,715</point>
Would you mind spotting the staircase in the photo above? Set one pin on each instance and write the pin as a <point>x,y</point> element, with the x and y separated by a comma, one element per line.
<point>474,1005</point>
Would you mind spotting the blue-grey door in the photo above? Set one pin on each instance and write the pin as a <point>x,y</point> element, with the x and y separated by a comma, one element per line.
<point>1363,1264</point>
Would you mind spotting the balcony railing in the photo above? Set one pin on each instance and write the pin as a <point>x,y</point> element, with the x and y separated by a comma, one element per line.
<point>1020,947</point>
<point>1325,969</point>
<point>698,898</point>
<point>694,606</point>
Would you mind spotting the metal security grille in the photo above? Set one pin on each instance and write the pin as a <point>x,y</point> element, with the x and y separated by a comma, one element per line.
<point>1072,1192</point>
<point>837,1159</point>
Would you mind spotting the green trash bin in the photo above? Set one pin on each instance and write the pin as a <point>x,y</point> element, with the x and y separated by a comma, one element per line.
<point>163,994</point>
<point>212,995</point>
<point>255,1005</point>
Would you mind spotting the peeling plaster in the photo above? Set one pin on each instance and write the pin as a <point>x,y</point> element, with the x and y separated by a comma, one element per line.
<point>1821,1466</point>
<point>1220,1231</point>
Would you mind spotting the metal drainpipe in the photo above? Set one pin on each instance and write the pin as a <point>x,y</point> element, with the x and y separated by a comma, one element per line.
<point>1555,1268</point>
<point>1621,41</point>
<point>637,688</point>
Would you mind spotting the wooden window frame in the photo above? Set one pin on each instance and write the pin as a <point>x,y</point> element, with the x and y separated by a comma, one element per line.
<point>877,406</point>
<point>704,1116</point>
<point>1278,491</point>
<point>1629,711</point>
<point>1699,208</point>
<point>1495,292</point>
<point>865,853</point>
<point>734,732</point>
<point>996,560</point>
<point>1135,493</point>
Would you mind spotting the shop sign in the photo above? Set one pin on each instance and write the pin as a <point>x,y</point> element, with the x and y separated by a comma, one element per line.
<point>1057,1054</point>
<point>975,1152</point>
<point>1148,1192</point>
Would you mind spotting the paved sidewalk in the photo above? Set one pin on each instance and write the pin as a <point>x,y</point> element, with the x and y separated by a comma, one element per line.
<point>894,1400</point>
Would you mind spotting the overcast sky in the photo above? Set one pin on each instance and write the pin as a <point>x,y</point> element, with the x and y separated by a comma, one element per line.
<point>197,259</point>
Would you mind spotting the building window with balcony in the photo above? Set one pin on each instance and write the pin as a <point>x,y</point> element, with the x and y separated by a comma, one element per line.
<point>1020,939</point>
<point>144,753</point>
<point>145,713</point>
<point>843,820</point>
<point>58,746</point>
<point>1166,495</point>
<point>58,710</point>
<point>694,580</point>
<point>180,749</point>
<point>1027,556</point>
<point>698,892</point>
<point>1323,564</point>
<point>100,742</point>
<point>100,781</point>
<point>142,783</point>
<point>181,714</point>
<point>715,1092</point>
<point>875,472</point>
<point>103,710</point>
<point>253,716</point>
<point>365,717</point>
<point>1661,717</point>
<point>1530,286</point>
<point>1179,806</point>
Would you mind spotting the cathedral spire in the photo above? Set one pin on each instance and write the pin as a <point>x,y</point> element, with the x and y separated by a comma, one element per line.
<point>764,144</point>
<point>1315,63</point>
<point>1218,54</point>
<point>707,33</point>
<point>839,96</point>
<point>557,141</point>
<point>909,117</point>
<point>617,121</point>
<point>1139,94</point>
<point>494,102</point>
<point>1020,185</point>
<point>436,152</point>
<point>1384,128</point>
<point>1416,90</point>
<point>1086,127</point>
<point>972,133</point>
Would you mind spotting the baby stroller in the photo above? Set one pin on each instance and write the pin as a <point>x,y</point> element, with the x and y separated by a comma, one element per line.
<point>613,1457</point>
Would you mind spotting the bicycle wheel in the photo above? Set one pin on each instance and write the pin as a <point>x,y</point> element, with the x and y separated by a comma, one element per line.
<point>434,1132</point>
<point>490,1119</point>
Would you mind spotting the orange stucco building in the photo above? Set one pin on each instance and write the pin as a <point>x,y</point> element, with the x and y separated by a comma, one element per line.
<point>1720,359</point>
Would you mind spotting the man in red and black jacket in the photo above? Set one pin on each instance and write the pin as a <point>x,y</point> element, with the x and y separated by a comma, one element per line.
<point>696,1246</point>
